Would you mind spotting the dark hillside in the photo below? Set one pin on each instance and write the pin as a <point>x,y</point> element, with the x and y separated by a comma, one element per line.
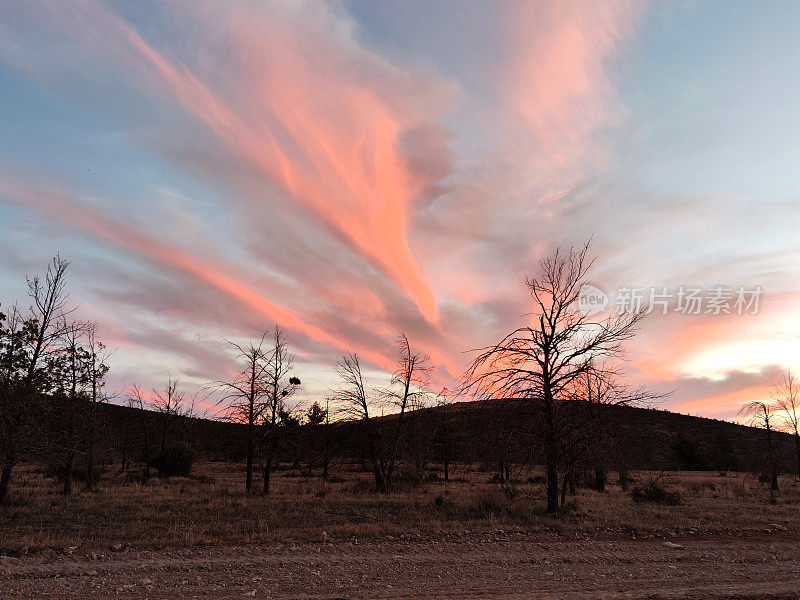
<point>647,438</point>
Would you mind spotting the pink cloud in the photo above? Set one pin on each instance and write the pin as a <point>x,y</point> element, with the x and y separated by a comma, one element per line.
<point>307,117</point>
<point>56,205</point>
<point>330,135</point>
<point>557,79</point>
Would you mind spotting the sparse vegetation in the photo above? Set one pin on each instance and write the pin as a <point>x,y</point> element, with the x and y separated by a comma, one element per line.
<point>550,450</point>
<point>174,461</point>
<point>182,511</point>
<point>656,494</point>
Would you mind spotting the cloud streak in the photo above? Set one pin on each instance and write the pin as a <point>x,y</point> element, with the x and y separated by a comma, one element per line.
<point>351,189</point>
<point>58,206</point>
<point>347,138</point>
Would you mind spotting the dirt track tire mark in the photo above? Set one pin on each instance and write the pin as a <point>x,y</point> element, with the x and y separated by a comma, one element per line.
<point>466,569</point>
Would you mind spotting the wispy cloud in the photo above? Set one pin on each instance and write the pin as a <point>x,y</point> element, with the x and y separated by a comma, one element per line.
<point>348,194</point>
<point>351,138</point>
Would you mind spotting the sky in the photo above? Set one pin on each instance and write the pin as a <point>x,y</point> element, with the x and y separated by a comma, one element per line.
<point>352,169</point>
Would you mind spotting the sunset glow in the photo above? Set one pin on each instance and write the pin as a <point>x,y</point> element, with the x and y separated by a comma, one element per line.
<point>348,171</point>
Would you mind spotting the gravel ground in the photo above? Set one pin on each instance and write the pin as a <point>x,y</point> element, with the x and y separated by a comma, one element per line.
<point>469,566</point>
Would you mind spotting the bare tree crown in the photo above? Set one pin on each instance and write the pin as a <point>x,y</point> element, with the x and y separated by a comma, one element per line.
<point>559,344</point>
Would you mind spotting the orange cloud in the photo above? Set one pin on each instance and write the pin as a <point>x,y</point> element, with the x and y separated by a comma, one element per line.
<point>58,206</point>
<point>333,127</point>
<point>724,405</point>
<point>317,131</point>
<point>557,76</point>
<point>342,132</point>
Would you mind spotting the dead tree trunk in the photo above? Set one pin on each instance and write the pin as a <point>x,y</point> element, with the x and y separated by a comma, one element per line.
<point>551,458</point>
<point>68,471</point>
<point>5,479</point>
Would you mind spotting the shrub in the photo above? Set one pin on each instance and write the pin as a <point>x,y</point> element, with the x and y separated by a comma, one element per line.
<point>409,477</point>
<point>511,491</point>
<point>656,494</point>
<point>490,503</point>
<point>699,486</point>
<point>362,486</point>
<point>133,477</point>
<point>59,472</point>
<point>447,507</point>
<point>569,507</point>
<point>205,479</point>
<point>174,461</point>
<point>689,454</point>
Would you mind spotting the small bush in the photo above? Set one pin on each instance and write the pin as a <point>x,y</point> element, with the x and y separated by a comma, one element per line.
<point>59,472</point>
<point>133,477</point>
<point>446,506</point>
<point>490,503</point>
<point>409,477</point>
<point>537,480</point>
<point>656,494</point>
<point>698,487</point>
<point>511,491</point>
<point>569,507</point>
<point>205,479</point>
<point>175,461</point>
<point>362,486</point>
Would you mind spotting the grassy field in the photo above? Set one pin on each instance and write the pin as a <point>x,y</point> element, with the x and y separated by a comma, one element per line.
<point>211,508</point>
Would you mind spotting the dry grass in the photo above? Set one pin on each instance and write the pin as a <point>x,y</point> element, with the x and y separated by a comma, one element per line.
<point>212,508</point>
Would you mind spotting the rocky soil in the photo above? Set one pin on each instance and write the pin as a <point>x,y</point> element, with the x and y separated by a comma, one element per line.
<point>465,566</point>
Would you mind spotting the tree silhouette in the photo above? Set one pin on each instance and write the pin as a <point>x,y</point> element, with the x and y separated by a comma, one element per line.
<point>541,362</point>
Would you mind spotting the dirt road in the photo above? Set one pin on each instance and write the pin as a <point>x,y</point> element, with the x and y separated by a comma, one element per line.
<point>470,566</point>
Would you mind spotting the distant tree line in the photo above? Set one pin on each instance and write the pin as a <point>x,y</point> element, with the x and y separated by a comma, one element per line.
<point>549,392</point>
<point>52,381</point>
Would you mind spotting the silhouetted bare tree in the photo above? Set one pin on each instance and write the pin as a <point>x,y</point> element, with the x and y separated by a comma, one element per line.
<point>316,418</point>
<point>96,367</point>
<point>353,400</point>
<point>444,435</point>
<point>597,388</point>
<point>407,392</point>
<point>136,400</point>
<point>786,397</point>
<point>279,385</point>
<point>244,396</point>
<point>171,405</point>
<point>763,415</point>
<point>26,342</point>
<point>540,362</point>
